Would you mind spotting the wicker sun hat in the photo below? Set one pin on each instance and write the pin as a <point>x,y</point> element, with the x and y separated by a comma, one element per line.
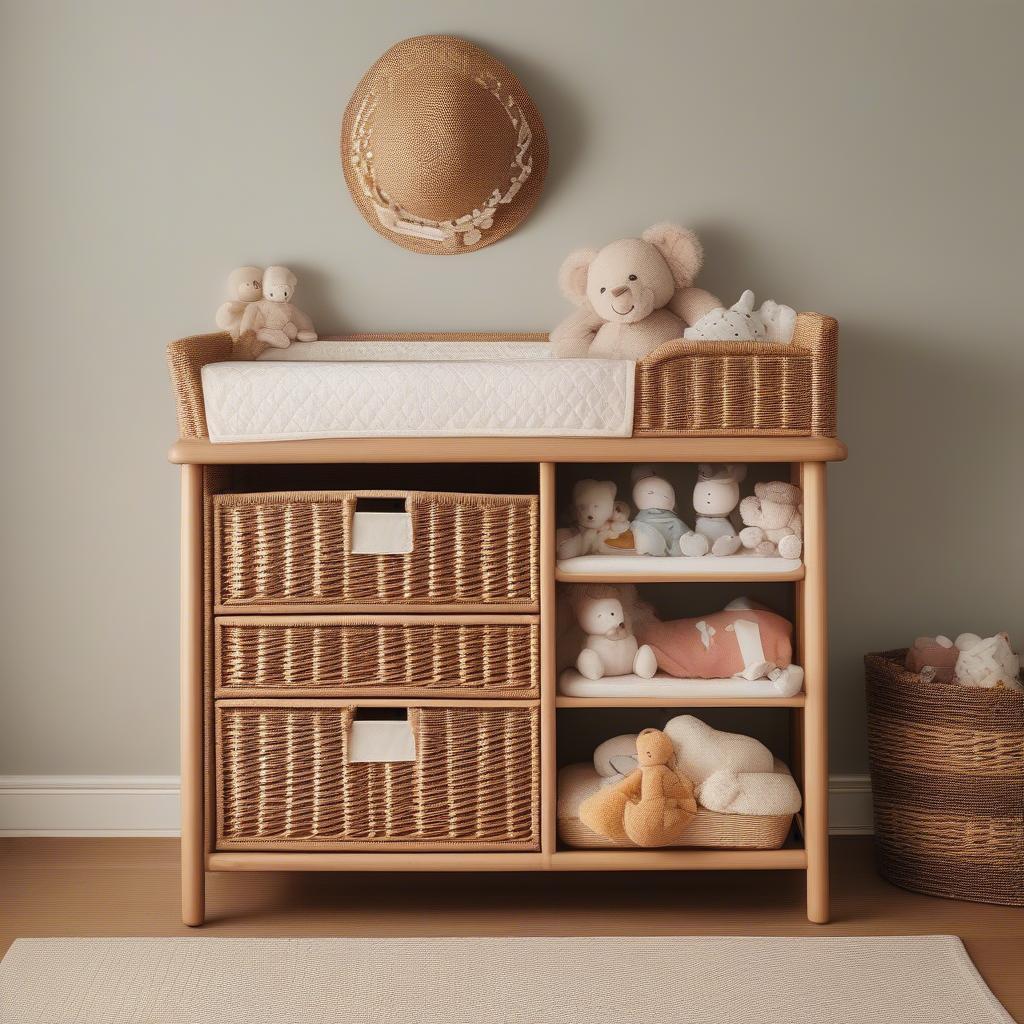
<point>443,149</point>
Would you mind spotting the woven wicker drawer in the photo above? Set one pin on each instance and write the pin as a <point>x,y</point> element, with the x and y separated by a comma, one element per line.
<point>284,780</point>
<point>378,656</point>
<point>294,550</point>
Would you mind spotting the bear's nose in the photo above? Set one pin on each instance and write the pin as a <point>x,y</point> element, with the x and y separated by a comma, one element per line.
<point>621,290</point>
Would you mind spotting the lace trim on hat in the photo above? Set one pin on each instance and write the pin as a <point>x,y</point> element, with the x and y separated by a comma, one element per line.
<point>469,226</point>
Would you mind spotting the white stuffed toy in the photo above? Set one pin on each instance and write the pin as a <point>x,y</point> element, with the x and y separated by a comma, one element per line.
<point>245,285</point>
<point>633,295</point>
<point>274,320</point>
<point>741,322</point>
<point>715,497</point>
<point>598,519</point>
<point>610,648</point>
<point>987,662</point>
<point>615,759</point>
<point>656,528</point>
<point>732,773</point>
<point>773,520</point>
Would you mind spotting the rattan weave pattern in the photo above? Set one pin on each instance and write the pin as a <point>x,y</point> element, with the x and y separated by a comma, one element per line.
<point>947,775</point>
<point>294,548</point>
<point>284,781</point>
<point>438,656</point>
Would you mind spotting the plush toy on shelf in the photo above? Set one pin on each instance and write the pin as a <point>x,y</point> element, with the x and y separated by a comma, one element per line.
<point>656,528</point>
<point>773,519</point>
<point>599,521</point>
<point>274,320</point>
<point>741,322</point>
<point>633,295</point>
<point>987,662</point>
<point>652,806</point>
<point>715,497</point>
<point>245,286</point>
<point>609,648</point>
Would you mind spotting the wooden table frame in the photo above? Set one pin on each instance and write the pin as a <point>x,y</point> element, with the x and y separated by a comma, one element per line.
<point>808,712</point>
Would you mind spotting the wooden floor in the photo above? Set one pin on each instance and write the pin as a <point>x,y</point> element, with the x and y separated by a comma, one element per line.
<point>51,887</point>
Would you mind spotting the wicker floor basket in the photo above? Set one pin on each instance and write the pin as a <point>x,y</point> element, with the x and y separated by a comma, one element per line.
<point>378,656</point>
<point>284,780</point>
<point>947,774</point>
<point>294,549</point>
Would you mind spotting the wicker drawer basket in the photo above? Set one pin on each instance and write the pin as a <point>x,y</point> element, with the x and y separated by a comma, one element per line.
<point>947,774</point>
<point>284,781</point>
<point>294,550</point>
<point>378,656</point>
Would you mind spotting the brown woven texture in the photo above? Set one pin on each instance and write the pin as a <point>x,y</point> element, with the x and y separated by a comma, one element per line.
<point>284,781</point>
<point>709,829</point>
<point>364,657</point>
<point>947,775</point>
<point>684,389</point>
<point>293,548</point>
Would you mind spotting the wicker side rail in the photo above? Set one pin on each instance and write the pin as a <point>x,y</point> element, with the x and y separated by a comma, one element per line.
<point>684,389</point>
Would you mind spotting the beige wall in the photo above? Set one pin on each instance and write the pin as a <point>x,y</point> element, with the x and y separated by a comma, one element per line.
<point>863,159</point>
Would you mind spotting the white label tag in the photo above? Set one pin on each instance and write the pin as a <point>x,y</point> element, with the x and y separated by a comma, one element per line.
<point>377,742</point>
<point>381,533</point>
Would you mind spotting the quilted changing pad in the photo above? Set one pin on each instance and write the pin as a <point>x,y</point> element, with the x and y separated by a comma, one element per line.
<point>422,388</point>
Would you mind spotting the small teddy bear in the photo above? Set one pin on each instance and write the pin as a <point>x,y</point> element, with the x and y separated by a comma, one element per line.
<point>773,519</point>
<point>599,519</point>
<point>633,295</point>
<point>652,806</point>
<point>245,285</point>
<point>656,528</point>
<point>715,497</point>
<point>610,648</point>
<point>741,322</point>
<point>274,320</point>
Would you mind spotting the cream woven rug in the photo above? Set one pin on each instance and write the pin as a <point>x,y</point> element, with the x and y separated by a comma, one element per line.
<point>919,979</point>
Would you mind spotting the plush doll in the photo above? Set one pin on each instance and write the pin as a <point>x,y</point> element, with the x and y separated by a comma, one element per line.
<point>610,648</point>
<point>598,520</point>
<point>987,662</point>
<point>715,497</point>
<point>733,774</point>
<point>741,322</point>
<point>274,320</point>
<point>656,528</point>
<point>741,641</point>
<point>772,516</point>
<point>245,285</point>
<point>937,653</point>
<point>633,295</point>
<point>651,807</point>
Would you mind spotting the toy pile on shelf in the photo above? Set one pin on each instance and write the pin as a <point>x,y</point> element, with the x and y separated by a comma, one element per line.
<point>969,660</point>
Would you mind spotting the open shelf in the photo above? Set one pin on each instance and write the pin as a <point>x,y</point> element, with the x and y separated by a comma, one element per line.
<point>788,858</point>
<point>709,569</point>
<point>667,691</point>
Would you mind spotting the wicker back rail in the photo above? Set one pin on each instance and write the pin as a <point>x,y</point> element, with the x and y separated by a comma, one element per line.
<point>684,388</point>
<point>947,775</point>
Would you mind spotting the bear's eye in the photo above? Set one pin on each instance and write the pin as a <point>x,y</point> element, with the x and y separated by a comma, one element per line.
<point>632,277</point>
<point>603,290</point>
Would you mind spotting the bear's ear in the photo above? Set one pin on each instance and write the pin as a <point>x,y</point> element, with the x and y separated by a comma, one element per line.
<point>680,248</point>
<point>572,275</point>
<point>609,488</point>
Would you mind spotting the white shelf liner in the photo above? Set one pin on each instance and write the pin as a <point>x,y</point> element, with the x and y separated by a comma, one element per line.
<point>673,567</point>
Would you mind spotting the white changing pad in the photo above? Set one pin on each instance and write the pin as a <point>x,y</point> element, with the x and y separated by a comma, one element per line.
<point>422,388</point>
<point>572,684</point>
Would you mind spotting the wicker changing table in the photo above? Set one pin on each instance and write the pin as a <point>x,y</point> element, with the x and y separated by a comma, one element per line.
<point>290,631</point>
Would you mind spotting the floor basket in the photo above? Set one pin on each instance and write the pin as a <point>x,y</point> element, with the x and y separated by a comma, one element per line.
<point>947,775</point>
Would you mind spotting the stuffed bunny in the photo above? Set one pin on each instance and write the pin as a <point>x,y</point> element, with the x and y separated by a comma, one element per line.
<point>741,322</point>
<point>633,295</point>
<point>773,519</point>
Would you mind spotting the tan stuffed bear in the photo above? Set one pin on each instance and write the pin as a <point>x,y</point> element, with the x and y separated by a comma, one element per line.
<point>652,806</point>
<point>773,520</point>
<point>245,285</point>
<point>634,295</point>
<point>274,320</point>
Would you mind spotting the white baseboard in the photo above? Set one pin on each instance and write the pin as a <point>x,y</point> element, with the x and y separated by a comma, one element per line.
<point>148,805</point>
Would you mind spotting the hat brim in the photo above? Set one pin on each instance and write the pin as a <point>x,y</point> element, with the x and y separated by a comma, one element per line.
<point>507,216</point>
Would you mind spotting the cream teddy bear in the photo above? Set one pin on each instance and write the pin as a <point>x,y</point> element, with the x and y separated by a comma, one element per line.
<point>741,322</point>
<point>610,648</point>
<point>633,295</point>
<point>245,285</point>
<point>274,320</point>
<point>599,518</point>
<point>773,520</point>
